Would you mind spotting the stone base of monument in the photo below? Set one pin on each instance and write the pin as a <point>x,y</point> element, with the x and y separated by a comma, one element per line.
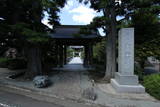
<point>127,84</point>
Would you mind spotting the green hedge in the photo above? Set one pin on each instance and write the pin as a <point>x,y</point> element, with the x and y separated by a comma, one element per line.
<point>18,63</point>
<point>152,85</point>
<point>4,62</point>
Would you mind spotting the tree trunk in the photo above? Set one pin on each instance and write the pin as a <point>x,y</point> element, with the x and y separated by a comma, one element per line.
<point>34,62</point>
<point>111,44</point>
<point>65,55</point>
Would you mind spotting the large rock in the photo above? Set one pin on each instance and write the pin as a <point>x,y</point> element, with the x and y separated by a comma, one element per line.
<point>41,81</point>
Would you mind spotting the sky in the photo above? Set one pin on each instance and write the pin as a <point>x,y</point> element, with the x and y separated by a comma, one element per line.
<point>75,13</point>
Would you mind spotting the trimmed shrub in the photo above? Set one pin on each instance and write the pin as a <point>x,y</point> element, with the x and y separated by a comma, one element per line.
<point>18,63</point>
<point>152,85</point>
<point>4,62</point>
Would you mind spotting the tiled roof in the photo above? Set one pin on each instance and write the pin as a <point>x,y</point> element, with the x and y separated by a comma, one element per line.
<point>69,31</point>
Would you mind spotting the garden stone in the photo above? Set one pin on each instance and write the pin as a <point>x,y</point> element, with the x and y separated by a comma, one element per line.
<point>41,81</point>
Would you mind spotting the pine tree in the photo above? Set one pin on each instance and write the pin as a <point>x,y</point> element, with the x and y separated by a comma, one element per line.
<point>24,17</point>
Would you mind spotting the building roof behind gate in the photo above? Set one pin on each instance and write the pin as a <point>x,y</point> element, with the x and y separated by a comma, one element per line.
<point>70,32</point>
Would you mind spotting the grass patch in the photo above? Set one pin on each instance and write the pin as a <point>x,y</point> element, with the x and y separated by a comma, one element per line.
<point>152,85</point>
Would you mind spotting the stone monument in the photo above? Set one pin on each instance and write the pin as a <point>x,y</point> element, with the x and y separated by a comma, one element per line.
<point>125,80</point>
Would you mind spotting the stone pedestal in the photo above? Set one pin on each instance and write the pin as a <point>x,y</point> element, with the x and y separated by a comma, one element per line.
<point>127,84</point>
<point>125,80</point>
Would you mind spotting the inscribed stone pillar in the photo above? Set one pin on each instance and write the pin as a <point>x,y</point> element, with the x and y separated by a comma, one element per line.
<point>125,80</point>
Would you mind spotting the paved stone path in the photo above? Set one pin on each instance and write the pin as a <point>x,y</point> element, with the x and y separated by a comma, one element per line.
<point>68,82</point>
<point>74,65</point>
<point>73,79</point>
<point>76,60</point>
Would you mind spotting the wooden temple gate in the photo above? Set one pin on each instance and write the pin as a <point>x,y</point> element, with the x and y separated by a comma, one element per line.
<point>65,35</point>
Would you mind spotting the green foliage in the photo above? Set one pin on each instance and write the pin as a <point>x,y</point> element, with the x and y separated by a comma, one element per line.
<point>6,39</point>
<point>24,18</point>
<point>49,53</point>
<point>28,34</point>
<point>149,48</point>
<point>99,52</point>
<point>69,52</point>
<point>144,27</point>
<point>25,28</point>
<point>3,59</point>
<point>85,30</point>
<point>99,21</point>
<point>18,63</point>
<point>38,39</point>
<point>147,40</point>
<point>4,62</point>
<point>144,17</point>
<point>152,85</point>
<point>77,35</point>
